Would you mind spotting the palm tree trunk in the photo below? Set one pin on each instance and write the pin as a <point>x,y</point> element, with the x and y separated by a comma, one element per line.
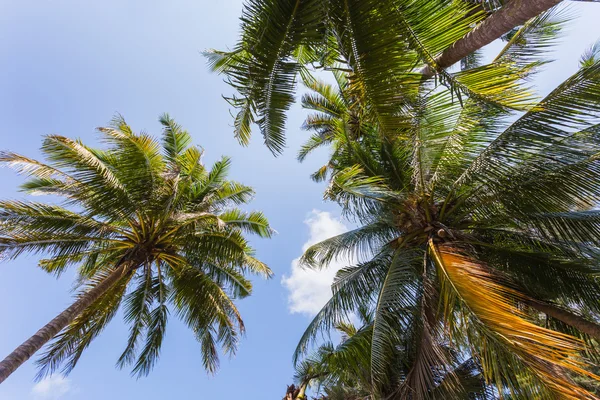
<point>576,321</point>
<point>514,13</point>
<point>52,328</point>
<point>302,392</point>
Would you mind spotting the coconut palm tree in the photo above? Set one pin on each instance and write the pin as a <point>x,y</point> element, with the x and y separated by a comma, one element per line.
<point>149,227</point>
<point>474,224</point>
<point>389,46</point>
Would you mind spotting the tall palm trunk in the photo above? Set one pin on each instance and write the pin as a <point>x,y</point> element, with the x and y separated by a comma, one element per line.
<point>514,13</point>
<point>576,321</point>
<point>52,328</point>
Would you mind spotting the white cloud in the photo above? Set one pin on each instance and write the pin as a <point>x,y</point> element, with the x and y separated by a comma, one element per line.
<point>52,388</point>
<point>309,290</point>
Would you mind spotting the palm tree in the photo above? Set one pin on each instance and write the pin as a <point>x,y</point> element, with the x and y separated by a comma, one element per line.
<point>476,225</point>
<point>389,47</point>
<point>343,372</point>
<point>149,227</point>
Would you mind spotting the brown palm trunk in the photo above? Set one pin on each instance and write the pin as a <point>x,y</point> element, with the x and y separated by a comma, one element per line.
<point>52,328</point>
<point>576,321</point>
<point>513,14</point>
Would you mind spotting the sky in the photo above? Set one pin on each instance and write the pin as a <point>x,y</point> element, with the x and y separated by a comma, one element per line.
<point>67,68</point>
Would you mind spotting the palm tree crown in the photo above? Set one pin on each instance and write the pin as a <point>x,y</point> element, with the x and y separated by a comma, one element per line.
<point>150,212</point>
<point>478,235</point>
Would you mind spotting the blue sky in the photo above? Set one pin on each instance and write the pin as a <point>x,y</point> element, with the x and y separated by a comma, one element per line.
<point>68,67</point>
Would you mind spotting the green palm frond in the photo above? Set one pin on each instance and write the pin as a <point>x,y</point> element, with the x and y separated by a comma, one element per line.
<point>358,244</point>
<point>391,313</point>
<point>260,67</point>
<point>354,288</point>
<point>175,139</point>
<point>590,57</point>
<point>571,107</point>
<point>253,222</point>
<point>137,313</point>
<point>156,332</point>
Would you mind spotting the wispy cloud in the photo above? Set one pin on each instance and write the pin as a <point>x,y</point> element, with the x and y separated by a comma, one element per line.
<point>309,290</point>
<point>52,388</point>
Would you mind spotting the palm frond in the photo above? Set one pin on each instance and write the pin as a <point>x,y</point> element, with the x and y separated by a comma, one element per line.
<point>68,346</point>
<point>175,139</point>
<point>259,68</point>
<point>540,349</point>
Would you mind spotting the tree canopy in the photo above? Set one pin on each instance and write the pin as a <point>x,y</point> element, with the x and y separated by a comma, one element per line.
<point>151,212</point>
<point>477,233</point>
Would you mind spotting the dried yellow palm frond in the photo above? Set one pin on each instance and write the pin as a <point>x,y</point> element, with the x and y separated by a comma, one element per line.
<point>546,354</point>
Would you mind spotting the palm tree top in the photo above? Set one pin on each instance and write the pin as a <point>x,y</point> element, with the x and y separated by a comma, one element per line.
<point>152,209</point>
<point>478,229</point>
